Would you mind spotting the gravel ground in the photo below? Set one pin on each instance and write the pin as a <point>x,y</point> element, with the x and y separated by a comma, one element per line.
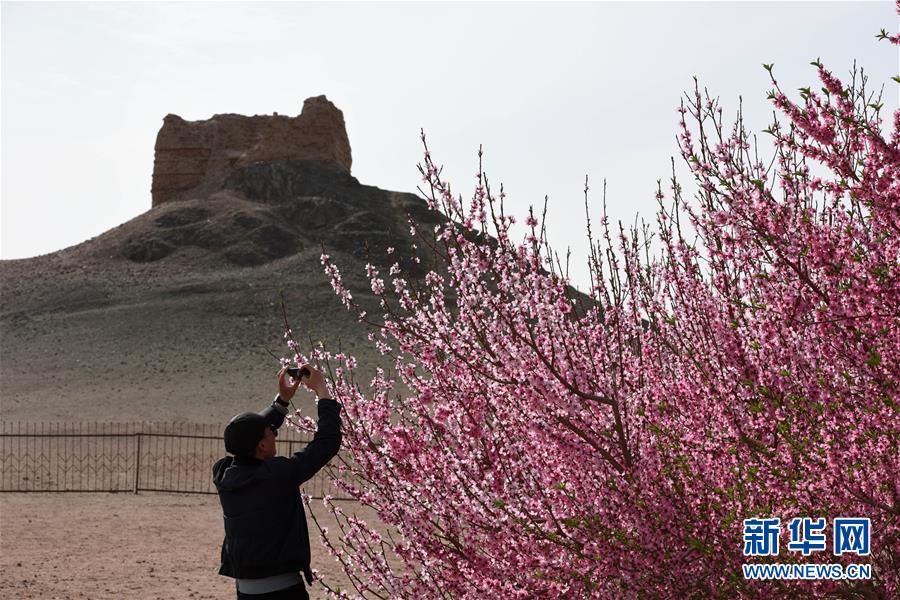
<point>150,545</point>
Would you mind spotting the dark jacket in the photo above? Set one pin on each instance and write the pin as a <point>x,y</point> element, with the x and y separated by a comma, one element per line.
<point>265,524</point>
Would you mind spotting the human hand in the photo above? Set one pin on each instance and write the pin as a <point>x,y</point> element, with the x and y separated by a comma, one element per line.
<point>286,390</point>
<point>315,381</point>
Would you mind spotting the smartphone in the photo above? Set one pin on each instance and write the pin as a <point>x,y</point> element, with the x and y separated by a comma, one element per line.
<point>298,373</point>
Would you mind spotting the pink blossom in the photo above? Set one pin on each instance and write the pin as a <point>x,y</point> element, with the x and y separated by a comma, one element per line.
<point>610,447</point>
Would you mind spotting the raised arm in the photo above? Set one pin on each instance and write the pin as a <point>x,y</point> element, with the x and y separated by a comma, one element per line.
<point>327,440</point>
<point>324,445</point>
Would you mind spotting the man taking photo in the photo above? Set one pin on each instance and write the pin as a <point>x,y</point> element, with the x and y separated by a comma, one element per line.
<point>266,544</point>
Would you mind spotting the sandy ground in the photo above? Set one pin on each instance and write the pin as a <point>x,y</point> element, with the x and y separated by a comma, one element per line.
<point>150,545</point>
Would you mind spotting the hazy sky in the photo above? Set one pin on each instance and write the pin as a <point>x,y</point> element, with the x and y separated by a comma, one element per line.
<point>553,92</point>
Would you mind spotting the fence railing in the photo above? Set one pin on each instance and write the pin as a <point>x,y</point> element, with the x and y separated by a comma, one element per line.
<point>124,457</point>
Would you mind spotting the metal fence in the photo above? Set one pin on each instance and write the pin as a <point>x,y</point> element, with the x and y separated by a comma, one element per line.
<point>123,457</point>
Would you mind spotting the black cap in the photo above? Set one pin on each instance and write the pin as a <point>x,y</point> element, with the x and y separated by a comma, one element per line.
<point>243,433</point>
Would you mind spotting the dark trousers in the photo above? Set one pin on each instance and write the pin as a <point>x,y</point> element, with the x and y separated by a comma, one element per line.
<point>297,592</point>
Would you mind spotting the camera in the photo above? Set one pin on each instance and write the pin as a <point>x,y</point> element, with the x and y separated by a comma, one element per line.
<point>298,372</point>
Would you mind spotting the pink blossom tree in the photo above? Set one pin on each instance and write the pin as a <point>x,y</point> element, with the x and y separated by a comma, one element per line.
<point>609,444</point>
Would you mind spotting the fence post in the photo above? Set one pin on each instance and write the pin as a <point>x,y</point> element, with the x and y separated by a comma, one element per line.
<point>137,462</point>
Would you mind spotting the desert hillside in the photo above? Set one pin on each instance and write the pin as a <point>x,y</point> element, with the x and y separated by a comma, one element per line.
<point>172,315</point>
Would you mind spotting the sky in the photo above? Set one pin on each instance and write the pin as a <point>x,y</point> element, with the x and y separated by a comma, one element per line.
<point>553,92</point>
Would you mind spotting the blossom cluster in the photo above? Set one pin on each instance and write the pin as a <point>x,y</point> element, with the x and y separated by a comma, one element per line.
<point>554,444</point>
